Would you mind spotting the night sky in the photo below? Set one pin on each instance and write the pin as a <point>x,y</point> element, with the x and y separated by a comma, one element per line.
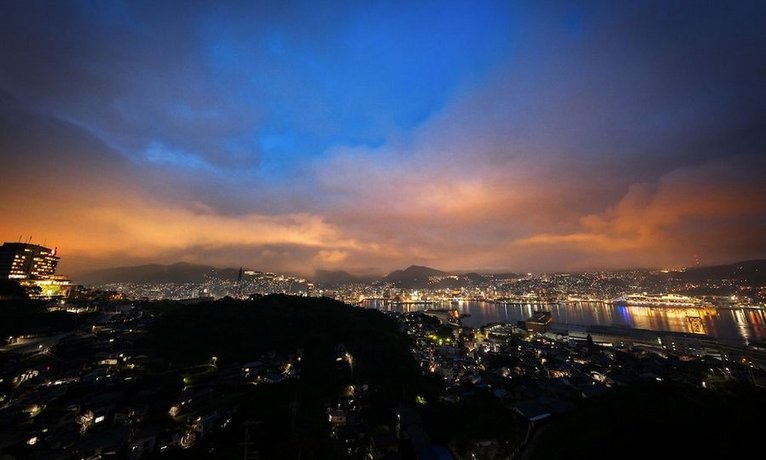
<point>344,135</point>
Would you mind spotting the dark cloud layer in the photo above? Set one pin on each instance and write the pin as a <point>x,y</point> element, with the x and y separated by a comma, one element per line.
<point>287,136</point>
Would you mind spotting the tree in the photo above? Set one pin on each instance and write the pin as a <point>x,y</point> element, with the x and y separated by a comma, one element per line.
<point>11,289</point>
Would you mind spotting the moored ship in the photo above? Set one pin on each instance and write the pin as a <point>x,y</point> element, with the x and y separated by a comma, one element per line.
<point>660,300</point>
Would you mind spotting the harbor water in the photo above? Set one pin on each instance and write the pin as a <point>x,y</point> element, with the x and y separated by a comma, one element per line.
<point>732,326</point>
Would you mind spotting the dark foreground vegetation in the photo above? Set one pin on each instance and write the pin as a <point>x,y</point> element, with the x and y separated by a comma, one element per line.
<point>25,317</point>
<point>289,419</point>
<point>659,420</point>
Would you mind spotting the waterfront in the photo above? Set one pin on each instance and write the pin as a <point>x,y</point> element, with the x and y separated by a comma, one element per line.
<point>731,326</point>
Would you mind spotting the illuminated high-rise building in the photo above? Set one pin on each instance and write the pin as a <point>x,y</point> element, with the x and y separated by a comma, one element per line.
<point>27,261</point>
<point>34,267</point>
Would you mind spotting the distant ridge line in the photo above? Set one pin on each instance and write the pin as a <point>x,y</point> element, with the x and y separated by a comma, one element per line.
<point>414,276</point>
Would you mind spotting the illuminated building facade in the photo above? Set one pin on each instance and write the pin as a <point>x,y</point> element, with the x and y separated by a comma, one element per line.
<point>27,261</point>
<point>34,267</point>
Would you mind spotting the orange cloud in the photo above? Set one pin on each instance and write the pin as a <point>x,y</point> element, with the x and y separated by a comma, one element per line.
<point>144,229</point>
<point>709,210</point>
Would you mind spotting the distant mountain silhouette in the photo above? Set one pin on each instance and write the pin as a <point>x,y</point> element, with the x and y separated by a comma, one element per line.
<point>749,271</point>
<point>338,277</point>
<point>419,277</point>
<point>413,276</point>
<point>180,272</point>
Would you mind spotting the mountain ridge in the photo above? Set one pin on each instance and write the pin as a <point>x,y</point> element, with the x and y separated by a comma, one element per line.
<point>339,277</point>
<point>179,272</point>
<point>751,271</point>
<point>412,277</point>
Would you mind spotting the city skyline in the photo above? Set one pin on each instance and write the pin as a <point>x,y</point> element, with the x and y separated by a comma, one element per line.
<point>290,137</point>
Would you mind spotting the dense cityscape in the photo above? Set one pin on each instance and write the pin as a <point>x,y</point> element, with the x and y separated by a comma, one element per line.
<point>523,288</point>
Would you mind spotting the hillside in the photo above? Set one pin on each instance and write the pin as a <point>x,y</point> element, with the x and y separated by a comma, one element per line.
<point>414,276</point>
<point>243,331</point>
<point>281,323</point>
<point>180,272</point>
<point>750,272</point>
<point>419,277</point>
<point>337,278</point>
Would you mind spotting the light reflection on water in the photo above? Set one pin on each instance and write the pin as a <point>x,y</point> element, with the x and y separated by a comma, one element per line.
<point>730,326</point>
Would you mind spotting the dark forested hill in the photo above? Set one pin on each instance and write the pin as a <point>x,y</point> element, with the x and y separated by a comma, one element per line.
<point>180,272</point>
<point>236,330</point>
<point>292,414</point>
<point>750,272</point>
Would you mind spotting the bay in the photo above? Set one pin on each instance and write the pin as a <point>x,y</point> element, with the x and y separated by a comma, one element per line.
<point>731,326</point>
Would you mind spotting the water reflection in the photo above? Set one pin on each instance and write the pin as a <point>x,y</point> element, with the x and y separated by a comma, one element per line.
<point>731,326</point>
